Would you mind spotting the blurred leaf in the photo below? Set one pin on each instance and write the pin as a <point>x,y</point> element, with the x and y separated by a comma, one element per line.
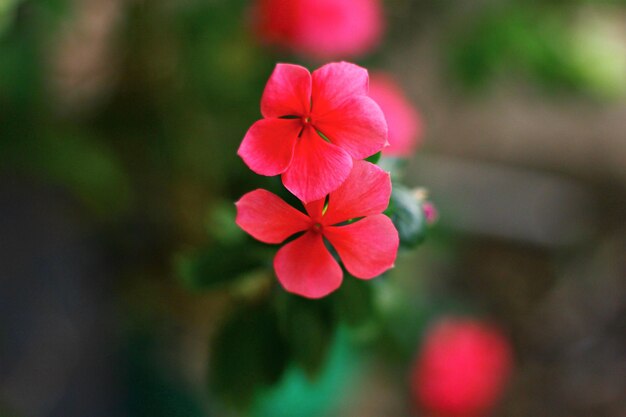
<point>154,392</point>
<point>221,223</point>
<point>7,11</point>
<point>222,64</point>
<point>217,265</point>
<point>518,39</point>
<point>248,354</point>
<point>76,161</point>
<point>20,74</point>
<point>406,213</point>
<point>394,165</point>
<point>354,301</point>
<point>599,54</point>
<point>308,326</point>
<point>296,395</point>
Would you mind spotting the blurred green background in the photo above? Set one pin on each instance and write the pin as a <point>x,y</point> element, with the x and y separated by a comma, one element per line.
<point>127,290</point>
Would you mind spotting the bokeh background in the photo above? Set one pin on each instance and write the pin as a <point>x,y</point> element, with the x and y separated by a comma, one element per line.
<point>127,290</point>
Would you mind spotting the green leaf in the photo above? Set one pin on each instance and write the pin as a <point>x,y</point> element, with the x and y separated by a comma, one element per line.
<point>308,327</point>
<point>154,389</point>
<point>217,265</point>
<point>354,301</point>
<point>407,215</point>
<point>374,158</point>
<point>77,161</point>
<point>296,395</point>
<point>248,354</point>
<point>7,13</point>
<point>220,223</point>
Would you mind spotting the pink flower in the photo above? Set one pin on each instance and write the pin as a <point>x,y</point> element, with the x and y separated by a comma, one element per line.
<point>304,266</point>
<point>405,126</point>
<point>462,369</point>
<point>430,212</point>
<point>324,29</point>
<point>298,108</point>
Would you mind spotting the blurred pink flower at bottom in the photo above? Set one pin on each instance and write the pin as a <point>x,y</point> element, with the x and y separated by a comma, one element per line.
<point>323,29</point>
<point>403,120</point>
<point>462,369</point>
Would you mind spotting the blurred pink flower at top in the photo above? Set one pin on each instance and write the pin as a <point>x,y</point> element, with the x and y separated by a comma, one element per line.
<point>462,369</point>
<point>403,120</point>
<point>324,29</point>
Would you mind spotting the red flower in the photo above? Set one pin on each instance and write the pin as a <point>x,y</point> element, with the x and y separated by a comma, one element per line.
<point>324,29</point>
<point>462,369</point>
<point>298,108</point>
<point>405,126</point>
<point>304,266</point>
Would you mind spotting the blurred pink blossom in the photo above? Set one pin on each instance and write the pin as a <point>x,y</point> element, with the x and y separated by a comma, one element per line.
<point>403,120</point>
<point>322,29</point>
<point>462,369</point>
<point>430,212</point>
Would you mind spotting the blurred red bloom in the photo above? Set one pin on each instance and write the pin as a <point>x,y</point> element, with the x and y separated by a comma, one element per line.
<point>324,29</point>
<point>462,369</point>
<point>313,127</point>
<point>403,120</point>
<point>304,266</point>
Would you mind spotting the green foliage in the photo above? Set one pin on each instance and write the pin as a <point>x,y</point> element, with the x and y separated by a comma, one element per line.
<point>307,326</point>
<point>218,265</point>
<point>285,330</point>
<point>248,353</point>
<point>407,215</point>
<point>297,395</point>
<point>222,65</point>
<point>541,43</point>
<point>75,160</point>
<point>154,392</point>
<point>221,223</point>
<point>7,11</point>
<point>354,301</point>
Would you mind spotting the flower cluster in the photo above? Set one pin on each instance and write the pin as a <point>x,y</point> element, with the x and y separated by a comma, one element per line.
<point>316,130</point>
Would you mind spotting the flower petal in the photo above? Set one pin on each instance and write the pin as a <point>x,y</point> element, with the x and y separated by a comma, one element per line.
<point>367,247</point>
<point>268,218</point>
<point>358,125</point>
<point>305,267</point>
<point>317,167</point>
<point>268,145</point>
<point>315,209</point>
<point>366,192</point>
<point>288,92</point>
<point>335,82</point>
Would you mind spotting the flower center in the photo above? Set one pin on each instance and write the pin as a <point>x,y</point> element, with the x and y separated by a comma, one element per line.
<point>317,227</point>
